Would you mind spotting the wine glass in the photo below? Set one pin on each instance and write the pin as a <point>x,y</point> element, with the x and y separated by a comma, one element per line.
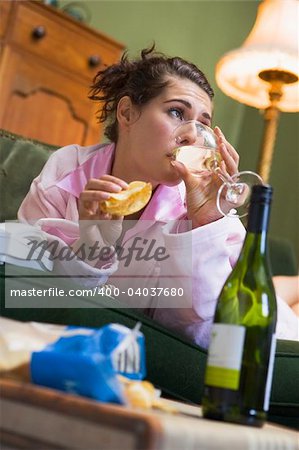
<point>196,147</point>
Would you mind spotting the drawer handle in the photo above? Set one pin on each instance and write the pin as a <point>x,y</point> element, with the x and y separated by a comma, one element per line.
<point>39,32</point>
<point>94,61</point>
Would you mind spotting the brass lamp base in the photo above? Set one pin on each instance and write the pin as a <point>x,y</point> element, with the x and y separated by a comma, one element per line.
<point>276,79</point>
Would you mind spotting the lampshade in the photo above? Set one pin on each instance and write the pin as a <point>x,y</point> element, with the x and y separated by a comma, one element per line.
<point>271,45</point>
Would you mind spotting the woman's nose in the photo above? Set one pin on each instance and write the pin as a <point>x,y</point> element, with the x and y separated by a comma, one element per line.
<point>188,134</point>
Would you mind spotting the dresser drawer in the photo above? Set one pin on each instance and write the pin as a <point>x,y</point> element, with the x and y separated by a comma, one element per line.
<point>65,43</point>
<point>4,13</point>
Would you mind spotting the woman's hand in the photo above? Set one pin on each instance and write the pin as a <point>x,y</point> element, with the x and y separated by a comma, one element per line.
<point>201,191</point>
<point>96,226</point>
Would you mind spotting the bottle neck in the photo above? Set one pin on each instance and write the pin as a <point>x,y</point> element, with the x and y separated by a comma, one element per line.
<point>258,222</point>
<point>255,242</point>
<point>258,218</point>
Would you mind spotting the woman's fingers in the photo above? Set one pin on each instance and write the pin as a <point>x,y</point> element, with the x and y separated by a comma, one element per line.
<point>106,183</point>
<point>98,190</point>
<point>102,188</point>
<point>92,196</point>
<point>228,153</point>
<point>231,167</point>
<point>189,179</point>
<point>109,179</point>
<point>97,225</point>
<point>230,148</point>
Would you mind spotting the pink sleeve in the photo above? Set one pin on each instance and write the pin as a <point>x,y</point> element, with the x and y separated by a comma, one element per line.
<point>54,209</point>
<point>202,259</point>
<point>41,202</point>
<point>49,209</point>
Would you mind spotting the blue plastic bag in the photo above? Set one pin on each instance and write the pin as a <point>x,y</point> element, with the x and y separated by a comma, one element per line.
<point>87,361</point>
<point>127,350</point>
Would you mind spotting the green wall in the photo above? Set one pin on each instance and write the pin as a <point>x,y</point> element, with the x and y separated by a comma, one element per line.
<point>202,31</point>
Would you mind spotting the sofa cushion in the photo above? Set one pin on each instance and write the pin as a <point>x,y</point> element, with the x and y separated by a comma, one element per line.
<point>21,160</point>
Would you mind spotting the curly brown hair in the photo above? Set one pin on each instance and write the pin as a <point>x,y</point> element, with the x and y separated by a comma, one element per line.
<point>142,80</point>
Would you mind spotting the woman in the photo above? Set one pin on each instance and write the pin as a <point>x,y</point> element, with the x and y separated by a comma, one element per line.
<point>143,101</point>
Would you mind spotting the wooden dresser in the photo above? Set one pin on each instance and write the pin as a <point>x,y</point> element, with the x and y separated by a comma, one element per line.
<point>47,63</point>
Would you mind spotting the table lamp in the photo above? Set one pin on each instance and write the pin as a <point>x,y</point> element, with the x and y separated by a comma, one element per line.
<point>264,72</point>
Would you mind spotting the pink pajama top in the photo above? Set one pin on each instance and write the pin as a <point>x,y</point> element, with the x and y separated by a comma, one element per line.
<point>158,253</point>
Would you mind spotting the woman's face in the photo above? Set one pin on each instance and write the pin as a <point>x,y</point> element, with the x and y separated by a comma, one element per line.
<point>150,136</point>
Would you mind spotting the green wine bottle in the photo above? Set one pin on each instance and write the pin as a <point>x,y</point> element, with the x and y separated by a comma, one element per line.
<point>241,353</point>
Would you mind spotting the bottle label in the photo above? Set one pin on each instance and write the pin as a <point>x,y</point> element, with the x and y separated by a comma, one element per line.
<point>270,373</point>
<point>225,356</point>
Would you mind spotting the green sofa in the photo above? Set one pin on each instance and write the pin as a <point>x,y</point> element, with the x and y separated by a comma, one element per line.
<point>173,364</point>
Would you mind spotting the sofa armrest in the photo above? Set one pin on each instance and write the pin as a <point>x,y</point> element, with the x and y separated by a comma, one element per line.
<point>21,160</point>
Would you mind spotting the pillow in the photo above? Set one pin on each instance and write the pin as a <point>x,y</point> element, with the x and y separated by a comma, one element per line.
<point>21,160</point>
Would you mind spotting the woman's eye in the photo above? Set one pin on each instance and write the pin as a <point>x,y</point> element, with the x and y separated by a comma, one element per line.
<point>177,113</point>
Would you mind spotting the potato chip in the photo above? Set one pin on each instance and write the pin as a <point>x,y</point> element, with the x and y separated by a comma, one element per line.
<point>142,394</point>
<point>128,201</point>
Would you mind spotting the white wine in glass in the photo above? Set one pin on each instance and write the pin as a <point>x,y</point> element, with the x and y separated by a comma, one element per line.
<point>197,148</point>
